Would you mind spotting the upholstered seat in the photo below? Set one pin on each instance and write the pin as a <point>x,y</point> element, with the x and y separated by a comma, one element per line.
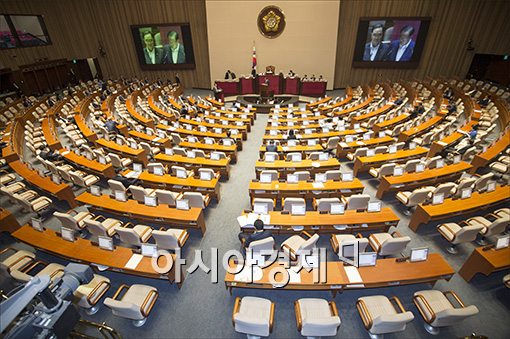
<point>263,201</point>
<point>135,235</point>
<point>356,202</point>
<point>324,204</point>
<point>253,316</point>
<point>296,244</point>
<point>316,317</point>
<point>170,239</point>
<point>380,316</point>
<point>106,227</point>
<point>457,234</point>
<point>136,303</point>
<point>385,169</point>
<point>166,197</point>
<point>74,222</point>
<point>388,244</point>
<point>288,203</point>
<point>139,193</point>
<point>438,311</point>
<point>344,244</point>
<point>88,295</point>
<point>196,200</point>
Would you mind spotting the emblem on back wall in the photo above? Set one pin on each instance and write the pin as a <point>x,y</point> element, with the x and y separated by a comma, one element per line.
<point>271,22</point>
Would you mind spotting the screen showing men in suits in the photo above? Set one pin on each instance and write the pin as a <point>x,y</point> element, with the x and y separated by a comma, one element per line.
<point>163,45</point>
<point>386,41</point>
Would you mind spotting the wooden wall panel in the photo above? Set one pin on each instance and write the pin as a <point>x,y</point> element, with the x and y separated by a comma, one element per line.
<point>76,27</point>
<point>453,23</point>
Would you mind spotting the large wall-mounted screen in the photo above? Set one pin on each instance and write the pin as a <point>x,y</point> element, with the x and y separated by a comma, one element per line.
<point>163,46</point>
<point>390,42</point>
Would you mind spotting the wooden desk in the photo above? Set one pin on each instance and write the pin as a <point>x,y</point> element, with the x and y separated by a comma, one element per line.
<point>222,165</point>
<point>374,113</point>
<point>344,148</point>
<point>193,218</point>
<point>84,129</point>
<point>452,207</point>
<point>386,273</point>
<point>419,130</point>
<point>492,152</point>
<point>83,251</point>
<point>8,152</point>
<point>355,107</point>
<point>304,189</point>
<point>285,167</point>
<point>349,222</point>
<point>138,155</point>
<point>182,131</point>
<point>438,146</point>
<point>151,139</point>
<point>322,136</point>
<point>158,110</point>
<point>213,119</point>
<point>50,133</point>
<point>173,183</point>
<point>230,151</point>
<point>297,128</point>
<point>363,164</point>
<point>485,262</point>
<point>386,124</point>
<point>303,149</point>
<point>243,130</point>
<point>8,222</point>
<point>316,104</point>
<point>61,192</point>
<point>429,177</point>
<point>104,170</point>
<point>137,116</point>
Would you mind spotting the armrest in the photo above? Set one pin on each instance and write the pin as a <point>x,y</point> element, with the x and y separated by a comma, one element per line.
<point>207,199</point>
<point>237,306</point>
<point>271,318</point>
<point>439,229</point>
<point>5,250</point>
<point>119,291</point>
<point>92,297</point>
<point>396,300</point>
<point>146,303</point>
<point>128,224</point>
<point>365,315</point>
<point>456,297</point>
<point>30,266</point>
<point>299,318</point>
<point>306,234</point>
<point>359,235</point>
<point>427,306</point>
<point>334,243</point>
<point>183,238</point>
<point>148,229</point>
<point>374,239</point>
<point>71,211</point>
<point>99,217</point>
<point>398,235</point>
<point>492,215</point>
<point>291,250</point>
<point>334,310</point>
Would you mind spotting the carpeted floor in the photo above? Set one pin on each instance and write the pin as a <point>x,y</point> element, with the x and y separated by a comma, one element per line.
<point>201,309</point>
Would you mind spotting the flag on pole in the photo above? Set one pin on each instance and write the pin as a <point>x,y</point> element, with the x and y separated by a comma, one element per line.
<point>254,61</point>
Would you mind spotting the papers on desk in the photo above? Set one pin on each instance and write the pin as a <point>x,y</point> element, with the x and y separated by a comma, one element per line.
<point>344,145</point>
<point>360,130</point>
<point>134,261</point>
<point>248,273</point>
<point>317,185</point>
<point>285,148</point>
<point>353,276</point>
<point>316,164</point>
<point>133,174</point>
<point>249,219</point>
<point>361,143</point>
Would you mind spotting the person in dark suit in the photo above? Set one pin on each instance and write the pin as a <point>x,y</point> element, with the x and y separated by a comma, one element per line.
<point>271,147</point>
<point>232,75</point>
<point>375,50</point>
<point>402,49</point>
<point>174,51</point>
<point>259,234</point>
<point>227,75</point>
<point>153,55</point>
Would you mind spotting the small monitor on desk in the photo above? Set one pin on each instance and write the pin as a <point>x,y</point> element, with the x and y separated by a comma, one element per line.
<point>265,178</point>
<point>120,196</point>
<point>37,224</point>
<point>205,176</point>
<point>367,259</point>
<point>169,151</point>
<point>374,206</point>
<point>298,210</point>
<point>56,179</point>
<point>348,176</point>
<point>158,170</point>
<point>105,243</point>
<point>466,193</point>
<point>150,201</point>
<point>337,208</point>
<point>392,149</point>
<point>292,143</point>
<point>312,142</point>
<point>292,178</point>
<point>149,250</point>
<point>182,204</point>
<point>137,167</point>
<point>260,208</point>
<point>420,168</point>
<point>457,158</point>
<point>67,234</point>
<point>491,186</point>
<point>95,190</point>
<point>502,242</point>
<point>320,177</point>
<point>419,254</point>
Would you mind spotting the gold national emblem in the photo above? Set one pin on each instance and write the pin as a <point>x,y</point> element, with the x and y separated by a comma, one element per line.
<point>271,22</point>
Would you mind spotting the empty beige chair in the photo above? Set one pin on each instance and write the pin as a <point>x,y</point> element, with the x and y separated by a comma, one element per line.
<point>432,162</point>
<point>75,222</point>
<point>17,260</point>
<point>35,205</point>
<point>170,238</point>
<point>500,167</point>
<point>481,182</point>
<point>199,153</point>
<point>136,303</point>
<point>388,243</point>
<point>356,202</point>
<point>253,316</point>
<point>334,175</point>
<point>489,228</point>
<point>119,162</point>
<point>288,203</point>
<point>82,179</point>
<point>414,198</point>
<point>179,151</point>
<point>469,153</point>
<point>270,156</point>
<point>101,226</point>
<point>316,156</point>
<point>381,316</point>
<point>7,178</point>
<point>296,244</point>
<point>166,197</point>
<point>386,169</point>
<point>331,144</point>
<point>456,234</point>
<point>438,311</point>
<point>152,151</point>
<point>196,200</point>
<point>181,172</point>
<point>264,201</point>
<point>344,244</point>
<point>117,186</point>
<point>218,155</point>
<point>382,149</point>
<point>359,152</point>
<point>294,156</point>
<point>87,296</point>
<point>135,235</point>
<point>14,187</point>
<point>316,317</point>
<point>302,175</point>
<point>24,273</point>
<point>501,213</point>
<point>270,174</point>
<point>263,245</point>
<point>464,184</point>
<point>447,189</point>
<point>139,193</point>
<point>410,166</point>
<point>324,204</point>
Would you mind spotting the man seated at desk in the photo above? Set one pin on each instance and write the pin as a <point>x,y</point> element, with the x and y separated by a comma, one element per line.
<point>259,234</point>
<point>271,147</point>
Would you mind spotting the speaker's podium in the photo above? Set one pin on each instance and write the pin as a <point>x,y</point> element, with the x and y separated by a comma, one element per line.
<point>265,92</point>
